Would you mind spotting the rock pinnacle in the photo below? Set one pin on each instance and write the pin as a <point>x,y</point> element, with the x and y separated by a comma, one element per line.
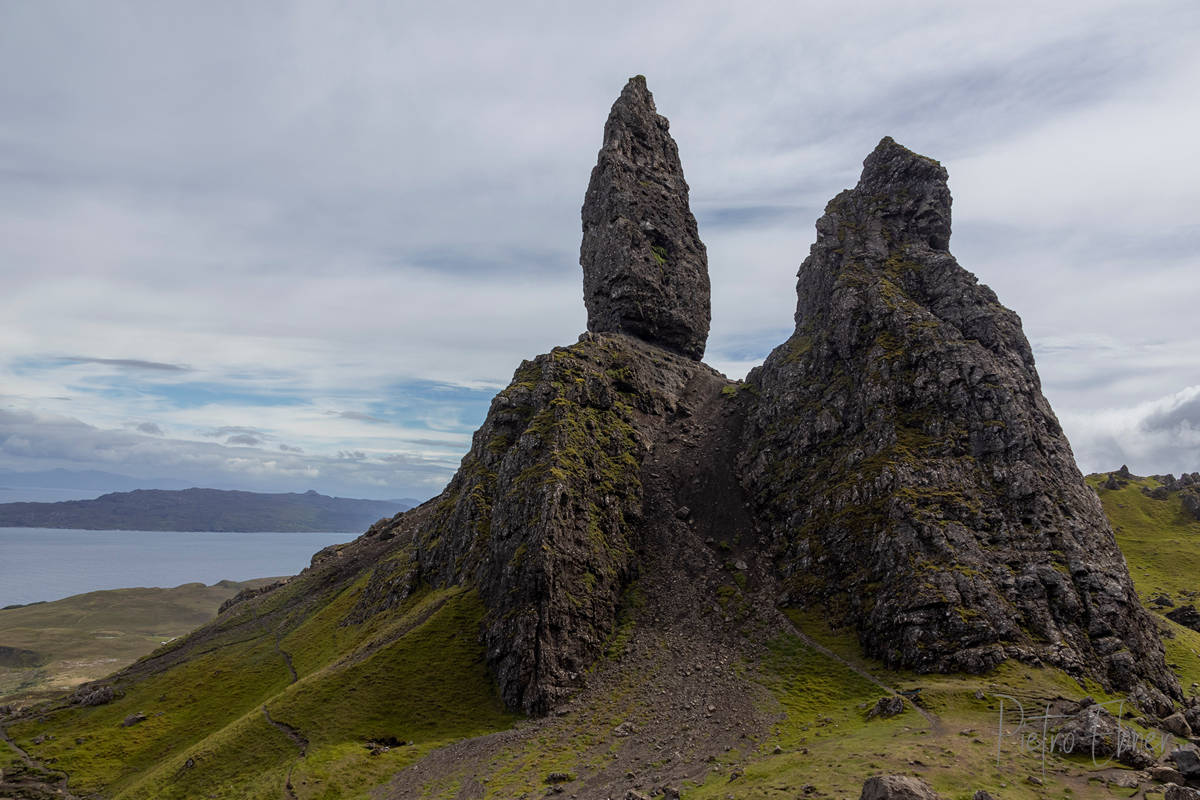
<point>645,270</point>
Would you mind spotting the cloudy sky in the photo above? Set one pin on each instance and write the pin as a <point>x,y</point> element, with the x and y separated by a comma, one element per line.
<point>292,245</point>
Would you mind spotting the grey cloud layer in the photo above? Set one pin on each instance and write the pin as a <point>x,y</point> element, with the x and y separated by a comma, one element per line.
<point>331,193</point>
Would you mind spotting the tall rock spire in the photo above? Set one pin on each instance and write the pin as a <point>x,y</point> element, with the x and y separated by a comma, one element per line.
<point>645,270</point>
<point>914,479</point>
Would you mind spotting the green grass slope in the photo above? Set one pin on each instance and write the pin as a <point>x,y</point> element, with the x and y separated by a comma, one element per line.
<point>294,694</point>
<point>88,636</point>
<point>1161,543</point>
<point>282,691</point>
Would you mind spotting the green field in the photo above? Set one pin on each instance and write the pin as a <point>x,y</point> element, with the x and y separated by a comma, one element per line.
<point>87,636</point>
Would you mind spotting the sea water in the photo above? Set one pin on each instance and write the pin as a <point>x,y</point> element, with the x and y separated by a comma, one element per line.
<point>49,564</point>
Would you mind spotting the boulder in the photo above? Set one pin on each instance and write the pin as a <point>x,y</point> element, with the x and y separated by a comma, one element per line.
<point>93,695</point>
<point>1093,731</point>
<point>886,707</point>
<point>897,787</point>
<point>1187,763</point>
<point>1185,615</point>
<point>1191,502</point>
<point>1177,724</point>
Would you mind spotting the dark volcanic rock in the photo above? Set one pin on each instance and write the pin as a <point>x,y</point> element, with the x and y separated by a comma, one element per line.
<point>897,787</point>
<point>887,707</point>
<point>545,513</point>
<point>93,694</point>
<point>915,480</point>
<point>1095,733</point>
<point>1186,615</point>
<point>1191,502</point>
<point>645,270</point>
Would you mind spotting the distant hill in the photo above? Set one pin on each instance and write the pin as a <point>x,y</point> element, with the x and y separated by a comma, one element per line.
<point>56,645</point>
<point>203,510</point>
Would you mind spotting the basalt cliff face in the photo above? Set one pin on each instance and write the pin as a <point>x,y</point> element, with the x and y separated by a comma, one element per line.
<point>914,480</point>
<point>629,549</point>
<point>645,270</point>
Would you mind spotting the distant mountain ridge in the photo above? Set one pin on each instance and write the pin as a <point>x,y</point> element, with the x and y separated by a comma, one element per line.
<point>203,510</point>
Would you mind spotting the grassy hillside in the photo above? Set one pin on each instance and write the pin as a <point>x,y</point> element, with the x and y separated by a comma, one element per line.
<point>1161,542</point>
<point>282,690</point>
<point>296,694</point>
<point>88,636</point>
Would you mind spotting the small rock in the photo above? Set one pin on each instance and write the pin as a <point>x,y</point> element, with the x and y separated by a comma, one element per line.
<point>1178,725</point>
<point>134,719</point>
<point>740,566</point>
<point>897,787</point>
<point>981,795</point>
<point>625,729</point>
<point>683,512</point>
<point>1161,774</point>
<point>91,695</point>
<point>886,707</point>
<point>559,777</point>
<point>1187,762</point>
<point>1034,780</point>
<point>1185,615</point>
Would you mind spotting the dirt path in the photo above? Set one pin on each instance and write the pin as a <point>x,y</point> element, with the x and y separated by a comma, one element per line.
<point>287,657</point>
<point>292,733</point>
<point>32,785</point>
<point>934,720</point>
<point>297,738</point>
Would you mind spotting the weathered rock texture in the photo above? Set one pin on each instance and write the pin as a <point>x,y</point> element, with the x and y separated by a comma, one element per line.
<point>914,480</point>
<point>545,513</point>
<point>645,270</point>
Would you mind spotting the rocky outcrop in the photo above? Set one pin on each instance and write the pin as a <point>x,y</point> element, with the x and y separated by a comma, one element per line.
<point>545,514</point>
<point>1185,615</point>
<point>645,270</point>
<point>898,463</point>
<point>914,479</point>
<point>897,787</point>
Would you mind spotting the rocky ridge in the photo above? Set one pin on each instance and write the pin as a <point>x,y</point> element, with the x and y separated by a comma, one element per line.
<point>913,478</point>
<point>901,468</point>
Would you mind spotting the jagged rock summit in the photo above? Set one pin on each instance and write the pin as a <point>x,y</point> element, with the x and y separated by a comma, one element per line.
<point>914,480</point>
<point>645,270</point>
